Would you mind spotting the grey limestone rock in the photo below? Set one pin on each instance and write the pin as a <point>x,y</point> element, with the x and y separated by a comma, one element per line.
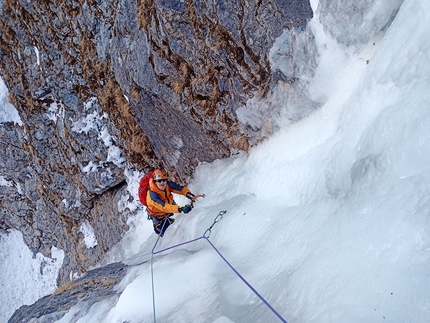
<point>98,284</point>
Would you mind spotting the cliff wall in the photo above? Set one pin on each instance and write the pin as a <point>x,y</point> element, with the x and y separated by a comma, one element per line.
<point>106,85</point>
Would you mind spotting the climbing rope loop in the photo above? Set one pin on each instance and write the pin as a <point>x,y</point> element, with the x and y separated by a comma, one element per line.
<point>206,236</point>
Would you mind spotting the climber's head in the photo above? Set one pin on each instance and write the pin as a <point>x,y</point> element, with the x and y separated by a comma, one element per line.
<point>160,177</point>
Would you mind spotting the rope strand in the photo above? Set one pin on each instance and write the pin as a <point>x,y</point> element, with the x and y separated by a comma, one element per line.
<point>247,284</point>
<point>153,294</point>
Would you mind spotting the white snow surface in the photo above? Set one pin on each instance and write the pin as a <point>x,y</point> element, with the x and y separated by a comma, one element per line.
<point>24,277</point>
<point>89,237</point>
<point>329,219</point>
<point>8,112</point>
<point>5,182</point>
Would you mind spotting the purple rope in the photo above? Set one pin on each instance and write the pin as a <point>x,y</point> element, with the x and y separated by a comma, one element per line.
<point>206,237</point>
<point>247,284</point>
<point>176,245</point>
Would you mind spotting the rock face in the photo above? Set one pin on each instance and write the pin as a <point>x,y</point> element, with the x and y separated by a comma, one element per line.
<point>96,285</point>
<point>105,85</point>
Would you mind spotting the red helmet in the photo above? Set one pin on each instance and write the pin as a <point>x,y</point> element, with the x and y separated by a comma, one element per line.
<point>160,174</point>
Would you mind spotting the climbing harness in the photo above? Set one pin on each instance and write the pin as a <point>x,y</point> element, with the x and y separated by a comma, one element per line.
<point>206,236</point>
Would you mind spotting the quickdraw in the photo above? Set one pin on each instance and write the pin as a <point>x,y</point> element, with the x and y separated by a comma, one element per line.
<point>217,219</point>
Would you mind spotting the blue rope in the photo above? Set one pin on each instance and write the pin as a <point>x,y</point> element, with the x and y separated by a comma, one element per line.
<point>177,245</point>
<point>153,294</point>
<point>152,276</point>
<point>247,284</point>
<point>206,237</point>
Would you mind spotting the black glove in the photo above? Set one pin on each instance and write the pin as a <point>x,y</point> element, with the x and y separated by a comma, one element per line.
<point>185,209</point>
<point>190,195</point>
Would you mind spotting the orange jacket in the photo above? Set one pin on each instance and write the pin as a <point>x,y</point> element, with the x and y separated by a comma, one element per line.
<point>161,202</point>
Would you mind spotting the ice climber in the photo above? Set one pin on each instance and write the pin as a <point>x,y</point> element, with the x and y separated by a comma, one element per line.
<point>160,203</point>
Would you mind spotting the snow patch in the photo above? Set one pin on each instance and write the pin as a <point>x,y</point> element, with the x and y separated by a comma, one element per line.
<point>36,50</point>
<point>53,112</point>
<point>40,273</point>
<point>89,236</point>
<point>92,122</point>
<point>4,182</point>
<point>8,113</point>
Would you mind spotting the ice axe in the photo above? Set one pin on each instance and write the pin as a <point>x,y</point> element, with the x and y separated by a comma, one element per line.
<point>196,197</point>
